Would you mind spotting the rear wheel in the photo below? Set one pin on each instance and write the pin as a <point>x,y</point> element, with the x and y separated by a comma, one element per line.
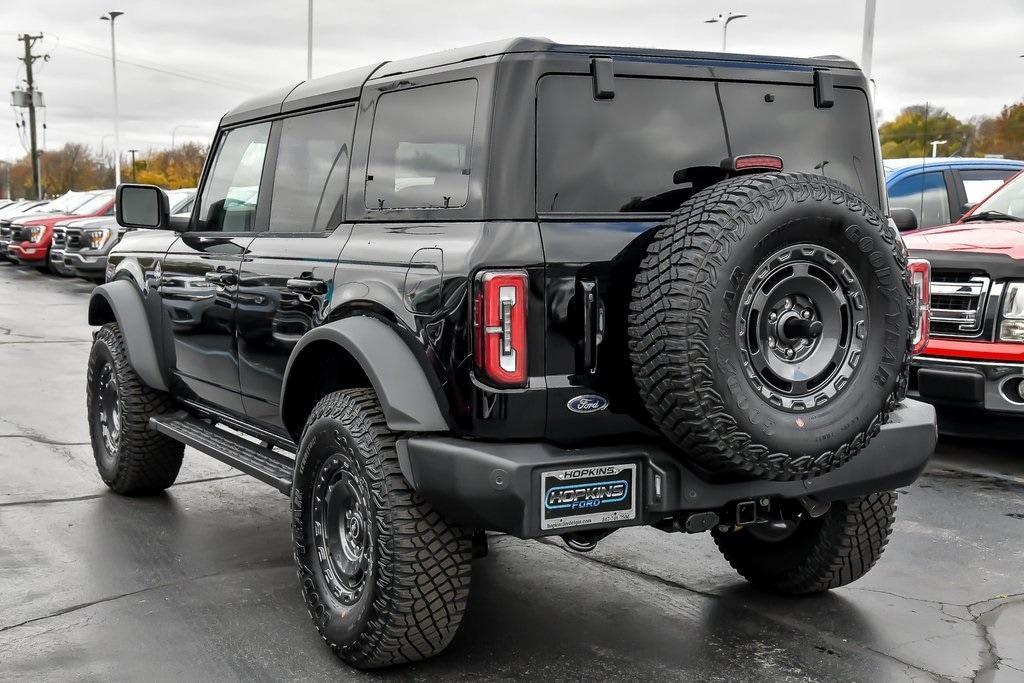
<point>813,555</point>
<point>130,457</point>
<point>384,575</point>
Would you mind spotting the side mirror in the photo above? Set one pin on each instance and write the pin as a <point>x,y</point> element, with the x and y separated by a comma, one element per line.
<point>967,207</point>
<point>142,206</point>
<point>905,219</point>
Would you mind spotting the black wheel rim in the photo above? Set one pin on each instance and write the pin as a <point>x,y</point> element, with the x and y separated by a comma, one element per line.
<point>342,529</point>
<point>802,323</point>
<point>109,416</point>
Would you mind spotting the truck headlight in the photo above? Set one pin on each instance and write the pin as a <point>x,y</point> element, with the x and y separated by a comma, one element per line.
<point>35,234</point>
<point>1012,326</point>
<point>97,238</point>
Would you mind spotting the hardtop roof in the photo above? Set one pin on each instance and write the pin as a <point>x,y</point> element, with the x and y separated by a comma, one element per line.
<point>346,85</point>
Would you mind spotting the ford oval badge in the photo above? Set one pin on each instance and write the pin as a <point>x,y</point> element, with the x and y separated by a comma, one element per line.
<point>587,403</point>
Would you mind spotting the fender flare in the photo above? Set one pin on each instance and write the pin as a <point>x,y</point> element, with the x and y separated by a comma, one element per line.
<point>119,301</point>
<point>397,376</point>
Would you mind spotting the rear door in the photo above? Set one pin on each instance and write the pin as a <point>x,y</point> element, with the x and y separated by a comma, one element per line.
<point>287,275</point>
<point>200,273</point>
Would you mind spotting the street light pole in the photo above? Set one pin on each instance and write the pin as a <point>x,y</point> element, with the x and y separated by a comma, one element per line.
<point>724,20</point>
<point>111,16</point>
<point>309,42</point>
<point>868,44</point>
<point>935,147</point>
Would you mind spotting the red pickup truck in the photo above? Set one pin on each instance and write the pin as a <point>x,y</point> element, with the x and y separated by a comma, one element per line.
<point>31,236</point>
<point>973,364</point>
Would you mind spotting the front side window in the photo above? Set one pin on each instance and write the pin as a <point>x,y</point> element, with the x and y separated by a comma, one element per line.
<point>312,171</point>
<point>232,191</point>
<point>925,195</point>
<point>420,148</point>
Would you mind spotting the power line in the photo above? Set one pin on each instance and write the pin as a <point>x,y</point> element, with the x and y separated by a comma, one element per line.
<point>162,70</point>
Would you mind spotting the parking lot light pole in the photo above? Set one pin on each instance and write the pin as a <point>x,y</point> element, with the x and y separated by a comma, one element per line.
<point>724,20</point>
<point>309,42</point>
<point>111,16</point>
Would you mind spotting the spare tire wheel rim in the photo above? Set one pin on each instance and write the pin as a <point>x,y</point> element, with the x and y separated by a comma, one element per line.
<point>342,529</point>
<point>801,327</point>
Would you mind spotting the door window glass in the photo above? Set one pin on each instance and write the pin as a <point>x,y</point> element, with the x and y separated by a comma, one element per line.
<point>924,194</point>
<point>420,147</point>
<point>312,170</point>
<point>981,182</point>
<point>232,190</point>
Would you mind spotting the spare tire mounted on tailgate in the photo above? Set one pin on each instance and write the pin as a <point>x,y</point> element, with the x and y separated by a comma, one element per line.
<point>770,325</point>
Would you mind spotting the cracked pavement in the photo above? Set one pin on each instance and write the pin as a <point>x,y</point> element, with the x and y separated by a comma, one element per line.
<point>198,584</point>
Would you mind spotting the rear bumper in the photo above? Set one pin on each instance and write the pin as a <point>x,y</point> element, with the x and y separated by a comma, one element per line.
<point>497,486</point>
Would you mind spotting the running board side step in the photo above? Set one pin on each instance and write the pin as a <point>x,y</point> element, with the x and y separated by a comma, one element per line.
<point>263,463</point>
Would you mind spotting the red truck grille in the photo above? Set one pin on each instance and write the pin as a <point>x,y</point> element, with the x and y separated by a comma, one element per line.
<point>958,303</point>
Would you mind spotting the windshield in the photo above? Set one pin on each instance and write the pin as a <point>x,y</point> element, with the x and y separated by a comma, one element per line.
<point>94,204</point>
<point>641,150</point>
<point>68,202</point>
<point>1009,199</point>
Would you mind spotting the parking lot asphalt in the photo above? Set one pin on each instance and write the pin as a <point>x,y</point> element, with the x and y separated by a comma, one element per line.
<point>198,584</point>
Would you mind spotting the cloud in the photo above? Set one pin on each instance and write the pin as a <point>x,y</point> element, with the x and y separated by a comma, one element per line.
<point>962,58</point>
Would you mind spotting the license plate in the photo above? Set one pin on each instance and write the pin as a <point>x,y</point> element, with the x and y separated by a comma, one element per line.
<point>592,494</point>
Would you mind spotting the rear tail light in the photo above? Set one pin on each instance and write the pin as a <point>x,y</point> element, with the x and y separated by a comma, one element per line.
<point>499,327</point>
<point>921,281</point>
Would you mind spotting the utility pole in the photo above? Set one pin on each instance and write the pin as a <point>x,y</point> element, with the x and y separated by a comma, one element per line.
<point>29,59</point>
<point>133,153</point>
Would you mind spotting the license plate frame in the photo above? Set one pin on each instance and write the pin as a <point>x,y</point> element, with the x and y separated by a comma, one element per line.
<point>588,495</point>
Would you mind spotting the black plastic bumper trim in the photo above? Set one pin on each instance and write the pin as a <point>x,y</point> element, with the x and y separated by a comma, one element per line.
<point>496,486</point>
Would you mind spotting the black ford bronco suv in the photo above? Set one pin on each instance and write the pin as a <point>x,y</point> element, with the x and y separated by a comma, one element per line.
<point>528,288</point>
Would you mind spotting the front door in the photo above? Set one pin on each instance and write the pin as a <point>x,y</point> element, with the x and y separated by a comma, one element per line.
<point>286,281</point>
<point>199,281</point>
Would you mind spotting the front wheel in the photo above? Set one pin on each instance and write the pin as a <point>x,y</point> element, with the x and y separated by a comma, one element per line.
<point>815,555</point>
<point>131,458</point>
<point>385,576</point>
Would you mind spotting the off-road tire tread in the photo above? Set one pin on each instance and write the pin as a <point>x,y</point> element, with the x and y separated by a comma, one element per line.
<point>849,541</point>
<point>669,340</point>
<point>423,576</point>
<point>149,461</point>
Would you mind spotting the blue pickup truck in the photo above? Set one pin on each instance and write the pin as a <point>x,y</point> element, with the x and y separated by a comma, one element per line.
<point>938,191</point>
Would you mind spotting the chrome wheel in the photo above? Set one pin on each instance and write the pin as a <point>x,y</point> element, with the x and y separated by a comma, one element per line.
<point>801,327</point>
<point>342,529</point>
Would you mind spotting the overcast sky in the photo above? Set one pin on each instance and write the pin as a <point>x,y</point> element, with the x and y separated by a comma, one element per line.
<point>959,55</point>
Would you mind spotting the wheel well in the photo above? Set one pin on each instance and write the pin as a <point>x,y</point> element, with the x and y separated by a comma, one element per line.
<point>100,311</point>
<point>322,367</point>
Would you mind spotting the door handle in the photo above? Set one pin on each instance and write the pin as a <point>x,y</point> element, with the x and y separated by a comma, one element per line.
<point>224,278</point>
<point>307,285</point>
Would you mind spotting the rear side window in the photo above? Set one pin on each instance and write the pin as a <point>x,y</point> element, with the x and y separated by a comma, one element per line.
<point>924,194</point>
<point>232,190</point>
<point>420,147</point>
<point>622,154</point>
<point>311,171</point>
<point>981,182</point>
